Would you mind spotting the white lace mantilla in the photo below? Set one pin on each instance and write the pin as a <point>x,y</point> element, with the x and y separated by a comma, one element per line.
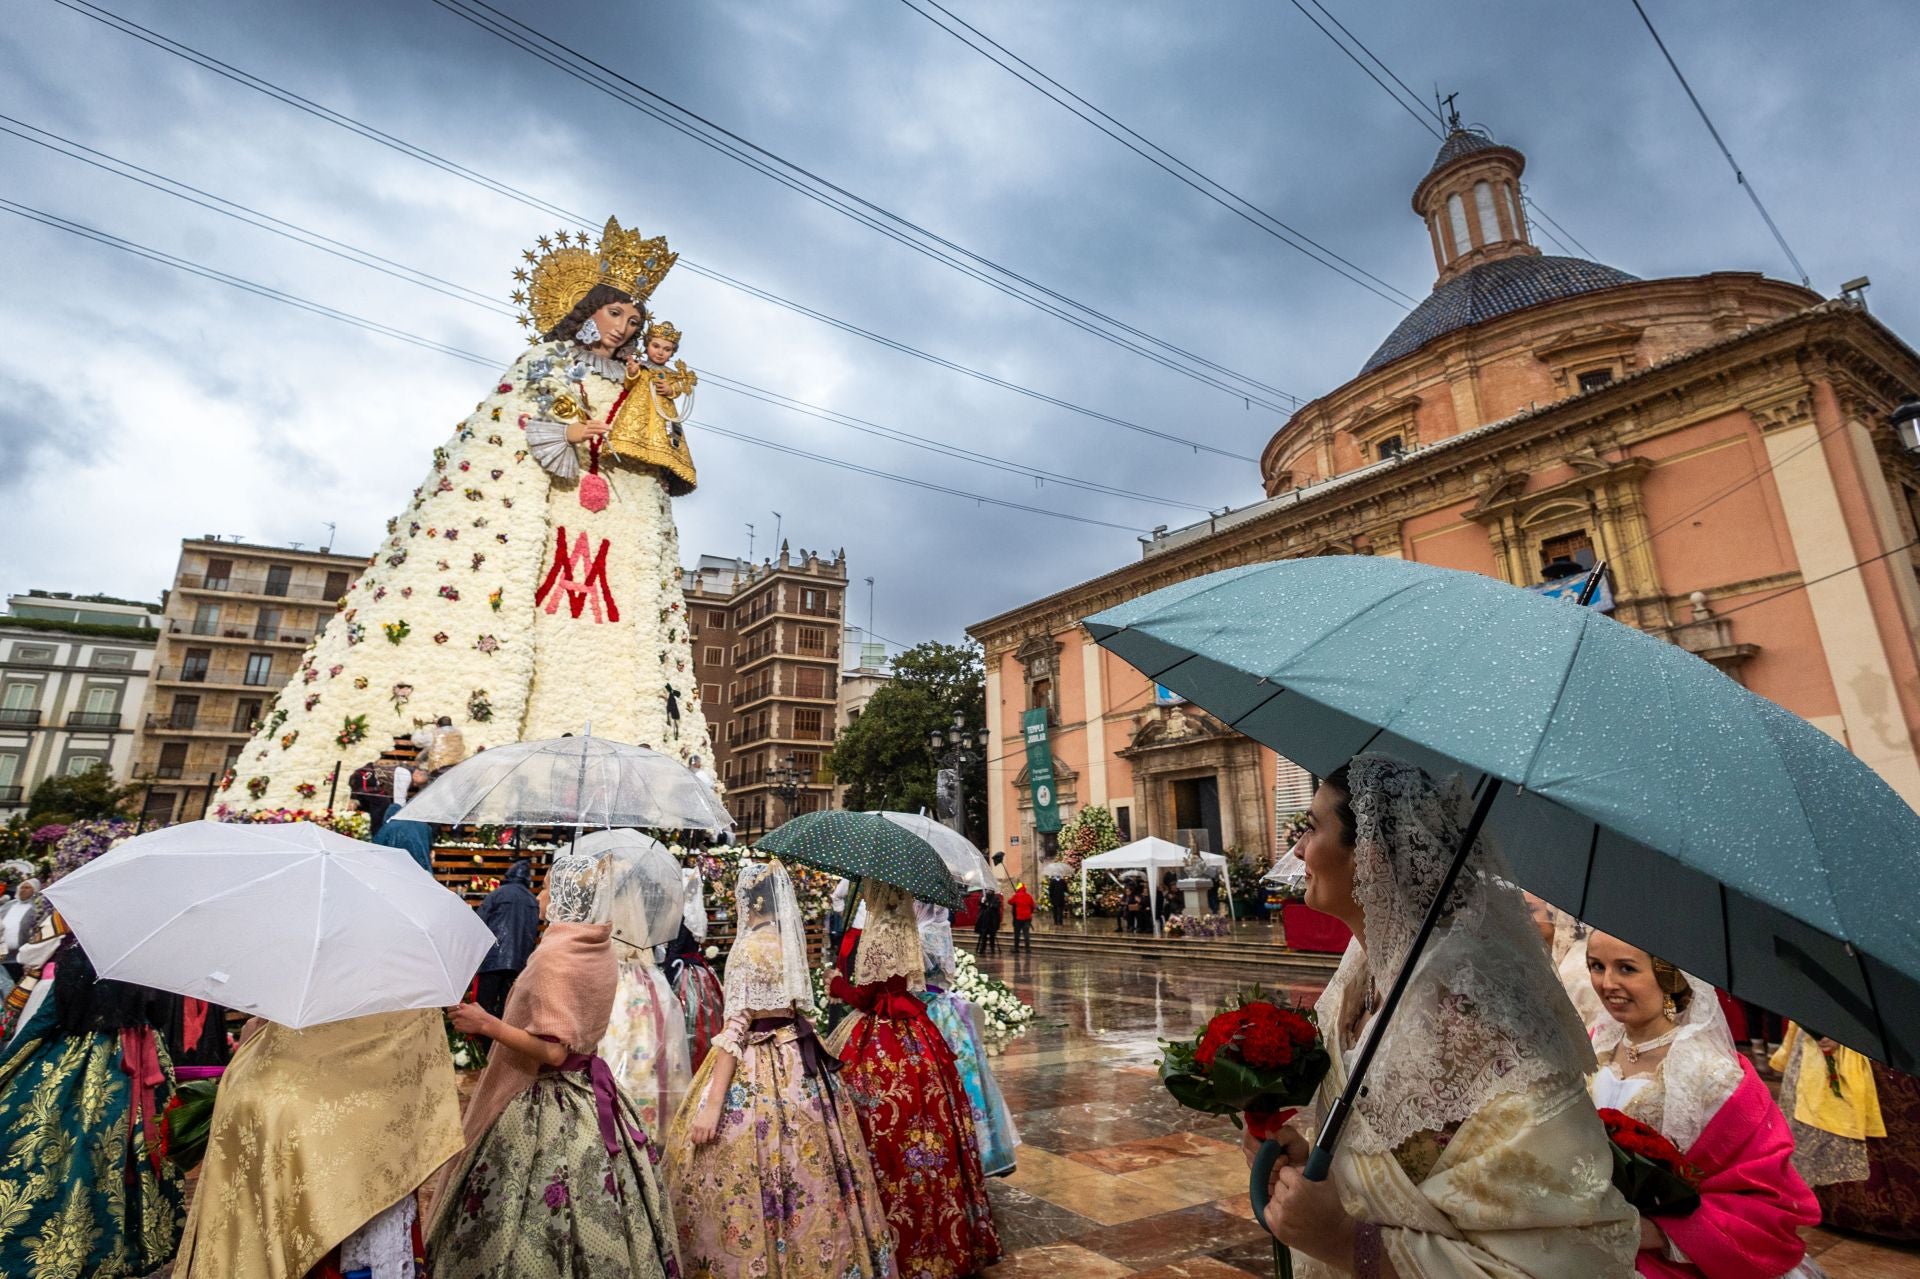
<point>890,940</point>
<point>1484,1013</point>
<point>767,967</point>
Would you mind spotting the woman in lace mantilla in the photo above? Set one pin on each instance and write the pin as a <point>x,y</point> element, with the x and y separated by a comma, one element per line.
<point>913,1111</point>
<point>1667,1059</point>
<point>557,1177</point>
<point>766,1163</point>
<point>1474,1150</point>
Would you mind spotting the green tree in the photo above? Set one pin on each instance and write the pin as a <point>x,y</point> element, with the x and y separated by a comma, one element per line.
<point>87,796</point>
<point>883,757</point>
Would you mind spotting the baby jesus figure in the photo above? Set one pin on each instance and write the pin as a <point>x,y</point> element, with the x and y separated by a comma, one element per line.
<point>647,425</point>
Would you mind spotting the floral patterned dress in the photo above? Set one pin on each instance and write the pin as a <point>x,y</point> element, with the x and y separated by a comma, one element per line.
<point>646,1042</point>
<point>82,1192</point>
<point>919,1130</point>
<point>992,1120</point>
<point>785,1190</point>
<point>556,1191</point>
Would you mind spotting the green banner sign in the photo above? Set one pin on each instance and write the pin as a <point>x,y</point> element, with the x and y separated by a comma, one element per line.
<point>1046,809</point>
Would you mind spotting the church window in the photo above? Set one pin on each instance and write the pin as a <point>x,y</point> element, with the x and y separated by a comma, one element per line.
<point>1457,217</point>
<point>1489,220</point>
<point>1594,379</point>
<point>1576,547</point>
<point>1513,209</point>
<point>1391,447</point>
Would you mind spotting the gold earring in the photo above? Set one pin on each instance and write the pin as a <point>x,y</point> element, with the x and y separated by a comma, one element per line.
<point>1671,1009</point>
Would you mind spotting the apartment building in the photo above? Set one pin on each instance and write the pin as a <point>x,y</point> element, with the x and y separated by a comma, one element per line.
<point>767,654</point>
<point>73,673</point>
<point>234,626</point>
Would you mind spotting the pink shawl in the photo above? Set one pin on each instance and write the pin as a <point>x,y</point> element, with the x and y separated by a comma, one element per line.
<point>565,994</point>
<point>1752,1202</point>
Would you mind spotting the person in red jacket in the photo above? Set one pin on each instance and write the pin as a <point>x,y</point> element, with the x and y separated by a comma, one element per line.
<point>1022,903</point>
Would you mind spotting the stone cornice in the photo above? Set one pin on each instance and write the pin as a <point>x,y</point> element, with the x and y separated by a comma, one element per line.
<point>1824,340</point>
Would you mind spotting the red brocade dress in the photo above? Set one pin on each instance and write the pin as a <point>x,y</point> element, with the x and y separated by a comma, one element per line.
<point>913,1111</point>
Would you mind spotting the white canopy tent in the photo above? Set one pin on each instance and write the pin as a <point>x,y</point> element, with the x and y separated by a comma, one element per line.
<point>1151,854</point>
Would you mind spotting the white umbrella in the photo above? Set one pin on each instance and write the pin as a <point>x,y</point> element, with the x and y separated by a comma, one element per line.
<point>646,894</point>
<point>1056,870</point>
<point>969,865</point>
<point>293,923</point>
<point>585,781</point>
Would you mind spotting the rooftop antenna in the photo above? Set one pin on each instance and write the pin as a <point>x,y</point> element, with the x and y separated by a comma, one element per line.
<point>749,543</point>
<point>776,528</point>
<point>869,606</point>
<point>332,528</point>
<point>296,545</point>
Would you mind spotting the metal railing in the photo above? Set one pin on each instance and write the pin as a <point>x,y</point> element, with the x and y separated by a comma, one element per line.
<point>253,586</point>
<point>19,716</point>
<point>12,794</point>
<point>94,719</point>
<point>206,675</point>
<point>253,635</point>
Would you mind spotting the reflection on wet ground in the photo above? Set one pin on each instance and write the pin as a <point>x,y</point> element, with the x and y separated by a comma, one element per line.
<point>1115,1178</point>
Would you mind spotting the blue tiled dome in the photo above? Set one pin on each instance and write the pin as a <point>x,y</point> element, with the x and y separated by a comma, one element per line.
<point>1492,289</point>
<point>1462,142</point>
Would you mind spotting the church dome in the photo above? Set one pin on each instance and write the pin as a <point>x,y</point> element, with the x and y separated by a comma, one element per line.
<point>1490,290</point>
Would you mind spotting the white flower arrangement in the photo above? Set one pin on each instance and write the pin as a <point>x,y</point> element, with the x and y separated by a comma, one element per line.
<point>1003,1014</point>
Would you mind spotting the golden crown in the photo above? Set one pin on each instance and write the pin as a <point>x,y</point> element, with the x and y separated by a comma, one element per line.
<point>662,329</point>
<point>564,269</point>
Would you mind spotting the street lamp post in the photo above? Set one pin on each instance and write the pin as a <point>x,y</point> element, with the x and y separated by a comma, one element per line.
<point>954,752</point>
<point>788,783</point>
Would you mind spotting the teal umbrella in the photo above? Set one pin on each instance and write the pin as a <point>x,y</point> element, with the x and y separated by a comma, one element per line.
<point>1625,779</point>
<point>865,846</point>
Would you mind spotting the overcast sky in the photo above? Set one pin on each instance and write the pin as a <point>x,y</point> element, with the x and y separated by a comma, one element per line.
<point>139,404</point>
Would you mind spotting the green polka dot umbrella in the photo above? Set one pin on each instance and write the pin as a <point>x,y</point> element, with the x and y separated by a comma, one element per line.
<point>865,846</point>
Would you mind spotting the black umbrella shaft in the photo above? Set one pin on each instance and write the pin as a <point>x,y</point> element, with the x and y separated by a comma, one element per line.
<point>1320,1162</point>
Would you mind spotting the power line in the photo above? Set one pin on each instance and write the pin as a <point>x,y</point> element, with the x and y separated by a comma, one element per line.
<point>1801,586</point>
<point>400,271</point>
<point>1738,176</point>
<point>1419,119</point>
<point>796,177</point>
<point>1411,103</point>
<point>327,114</point>
<point>373,326</point>
<point>1024,71</point>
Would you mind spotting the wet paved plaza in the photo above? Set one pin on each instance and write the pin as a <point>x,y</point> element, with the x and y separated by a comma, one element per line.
<point>1115,1178</point>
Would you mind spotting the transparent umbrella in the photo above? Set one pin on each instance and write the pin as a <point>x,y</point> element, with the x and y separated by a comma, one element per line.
<point>969,865</point>
<point>581,781</point>
<point>645,889</point>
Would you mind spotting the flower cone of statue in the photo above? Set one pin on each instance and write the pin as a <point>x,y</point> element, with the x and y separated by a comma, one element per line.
<point>498,599</point>
<point>292,923</point>
<point>571,781</point>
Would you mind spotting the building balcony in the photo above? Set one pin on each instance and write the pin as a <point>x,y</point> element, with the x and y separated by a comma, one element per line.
<point>177,726</point>
<point>19,717</point>
<point>94,719</point>
<point>13,795</point>
<point>239,634</point>
<point>792,612</point>
<point>169,772</point>
<point>206,675</point>
<point>257,587</point>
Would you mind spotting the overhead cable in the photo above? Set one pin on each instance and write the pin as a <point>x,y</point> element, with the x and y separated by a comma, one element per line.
<point>1739,175</point>
<point>1024,71</point>
<point>441,348</point>
<point>266,87</point>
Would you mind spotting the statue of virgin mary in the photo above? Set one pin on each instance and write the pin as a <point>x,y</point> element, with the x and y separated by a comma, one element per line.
<point>533,583</point>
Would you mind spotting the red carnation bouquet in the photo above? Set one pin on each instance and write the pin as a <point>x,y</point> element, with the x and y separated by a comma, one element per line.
<point>1649,1170</point>
<point>1257,1060</point>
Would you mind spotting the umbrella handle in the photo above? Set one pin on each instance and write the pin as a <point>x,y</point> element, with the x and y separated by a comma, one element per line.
<point>1265,1160</point>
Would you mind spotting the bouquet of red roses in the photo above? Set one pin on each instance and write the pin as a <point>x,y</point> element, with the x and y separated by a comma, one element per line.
<point>1257,1058</point>
<point>1649,1170</point>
